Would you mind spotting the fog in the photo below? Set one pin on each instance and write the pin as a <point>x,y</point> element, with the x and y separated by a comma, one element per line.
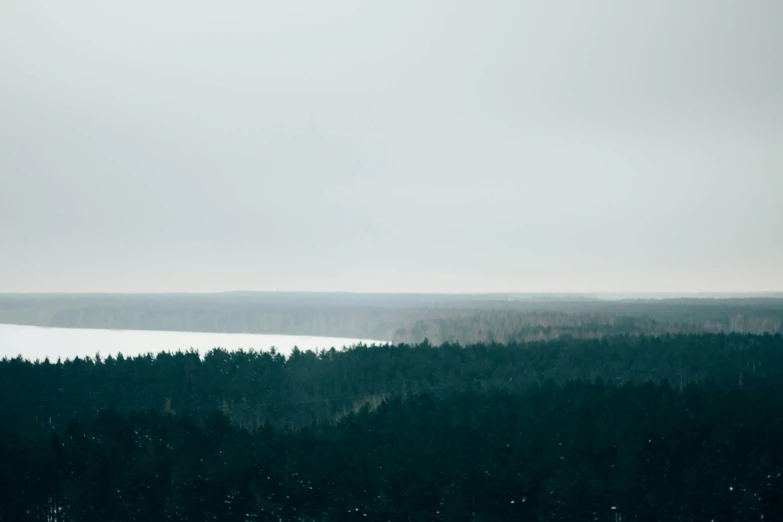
<point>442,146</point>
<point>32,342</point>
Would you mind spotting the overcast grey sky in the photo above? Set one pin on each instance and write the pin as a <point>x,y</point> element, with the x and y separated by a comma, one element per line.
<point>185,145</point>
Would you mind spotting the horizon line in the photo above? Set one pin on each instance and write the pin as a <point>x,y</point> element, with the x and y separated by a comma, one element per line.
<point>413,293</point>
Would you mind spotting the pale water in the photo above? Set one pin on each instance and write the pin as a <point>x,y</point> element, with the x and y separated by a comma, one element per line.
<point>34,342</point>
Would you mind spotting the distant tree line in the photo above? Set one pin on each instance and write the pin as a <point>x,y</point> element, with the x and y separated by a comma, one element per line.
<point>408,319</point>
<point>517,327</point>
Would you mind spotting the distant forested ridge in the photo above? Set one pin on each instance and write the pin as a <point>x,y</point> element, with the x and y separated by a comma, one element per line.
<point>398,318</point>
<point>507,326</point>
<point>255,388</point>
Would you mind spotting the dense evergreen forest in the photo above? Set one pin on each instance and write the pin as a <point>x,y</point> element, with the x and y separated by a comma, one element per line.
<point>399,318</point>
<point>583,451</point>
<point>483,408</point>
<point>258,387</point>
<point>673,427</point>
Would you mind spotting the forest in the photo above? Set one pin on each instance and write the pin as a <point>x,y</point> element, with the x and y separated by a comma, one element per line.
<point>582,451</point>
<point>399,318</point>
<point>672,427</point>
<point>258,387</point>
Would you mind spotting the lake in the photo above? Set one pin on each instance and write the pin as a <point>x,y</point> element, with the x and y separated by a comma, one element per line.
<point>35,342</point>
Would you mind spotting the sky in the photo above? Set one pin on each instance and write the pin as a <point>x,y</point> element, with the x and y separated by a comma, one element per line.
<point>407,146</point>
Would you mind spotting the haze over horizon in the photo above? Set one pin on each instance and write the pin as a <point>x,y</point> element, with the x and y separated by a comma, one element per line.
<point>483,295</point>
<point>402,147</point>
